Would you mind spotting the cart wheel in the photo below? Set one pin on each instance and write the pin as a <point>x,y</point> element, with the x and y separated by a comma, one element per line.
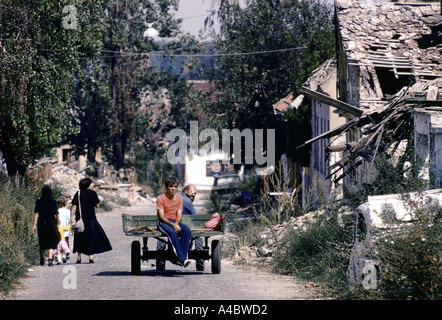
<point>161,263</point>
<point>216,257</point>
<point>200,266</point>
<point>135,257</point>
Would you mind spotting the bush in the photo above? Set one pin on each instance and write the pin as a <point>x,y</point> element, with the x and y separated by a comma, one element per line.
<point>247,233</point>
<point>317,252</point>
<point>18,244</point>
<point>274,210</point>
<point>411,261</point>
<point>157,172</point>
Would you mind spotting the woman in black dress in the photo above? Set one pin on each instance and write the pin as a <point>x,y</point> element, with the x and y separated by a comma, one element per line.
<point>93,239</point>
<point>46,222</point>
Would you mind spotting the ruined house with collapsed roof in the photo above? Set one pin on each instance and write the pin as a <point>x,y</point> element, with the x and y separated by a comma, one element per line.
<point>388,84</point>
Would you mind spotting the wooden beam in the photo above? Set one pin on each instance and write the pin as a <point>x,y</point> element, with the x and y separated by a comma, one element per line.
<point>330,133</point>
<point>340,147</point>
<point>432,93</point>
<point>315,95</point>
<point>425,102</point>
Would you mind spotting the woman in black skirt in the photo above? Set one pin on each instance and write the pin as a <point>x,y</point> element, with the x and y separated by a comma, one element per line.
<point>93,239</point>
<point>46,222</point>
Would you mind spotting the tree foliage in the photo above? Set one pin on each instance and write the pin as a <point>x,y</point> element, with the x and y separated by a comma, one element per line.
<point>76,73</point>
<point>268,39</point>
<point>42,48</point>
<point>116,85</point>
<point>263,43</point>
<point>320,48</point>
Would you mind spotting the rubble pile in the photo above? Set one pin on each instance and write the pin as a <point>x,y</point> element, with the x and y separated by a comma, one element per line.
<point>114,193</point>
<point>263,253</point>
<point>67,179</point>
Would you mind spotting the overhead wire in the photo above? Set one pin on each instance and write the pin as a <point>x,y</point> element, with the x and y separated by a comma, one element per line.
<point>119,53</point>
<point>110,53</point>
<point>166,54</point>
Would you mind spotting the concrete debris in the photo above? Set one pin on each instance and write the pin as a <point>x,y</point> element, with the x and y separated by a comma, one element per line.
<point>311,285</point>
<point>115,194</point>
<point>264,252</point>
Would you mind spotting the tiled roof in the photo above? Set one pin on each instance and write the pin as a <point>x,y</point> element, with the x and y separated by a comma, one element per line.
<point>283,104</point>
<point>205,87</point>
<point>321,74</point>
<point>403,36</point>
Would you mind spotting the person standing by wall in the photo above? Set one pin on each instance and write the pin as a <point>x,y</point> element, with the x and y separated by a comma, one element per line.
<point>93,239</point>
<point>46,222</point>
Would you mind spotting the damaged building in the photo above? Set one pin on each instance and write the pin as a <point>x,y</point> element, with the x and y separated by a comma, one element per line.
<point>388,75</point>
<point>325,116</point>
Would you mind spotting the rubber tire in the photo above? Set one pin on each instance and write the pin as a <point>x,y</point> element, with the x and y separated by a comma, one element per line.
<point>200,267</point>
<point>161,265</point>
<point>135,257</point>
<point>216,257</point>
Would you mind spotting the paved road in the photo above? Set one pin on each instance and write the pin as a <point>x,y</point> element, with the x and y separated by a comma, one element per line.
<point>110,278</point>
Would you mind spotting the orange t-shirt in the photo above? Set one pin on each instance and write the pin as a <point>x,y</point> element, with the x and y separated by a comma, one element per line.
<point>170,207</point>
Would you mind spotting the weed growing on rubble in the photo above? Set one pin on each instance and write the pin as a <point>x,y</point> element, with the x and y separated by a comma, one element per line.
<point>408,254</point>
<point>411,260</point>
<point>247,234</point>
<point>278,202</point>
<point>317,252</point>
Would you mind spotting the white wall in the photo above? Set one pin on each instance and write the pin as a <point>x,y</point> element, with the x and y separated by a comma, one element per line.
<point>428,146</point>
<point>196,170</point>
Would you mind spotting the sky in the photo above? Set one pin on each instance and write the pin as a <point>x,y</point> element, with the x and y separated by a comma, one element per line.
<point>193,12</point>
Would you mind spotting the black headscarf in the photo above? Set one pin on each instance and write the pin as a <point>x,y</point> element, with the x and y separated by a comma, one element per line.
<point>46,194</point>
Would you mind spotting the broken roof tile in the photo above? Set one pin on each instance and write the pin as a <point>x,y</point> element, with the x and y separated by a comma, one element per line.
<point>392,30</point>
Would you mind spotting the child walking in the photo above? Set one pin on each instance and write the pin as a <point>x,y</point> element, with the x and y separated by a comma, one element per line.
<point>64,216</point>
<point>62,248</point>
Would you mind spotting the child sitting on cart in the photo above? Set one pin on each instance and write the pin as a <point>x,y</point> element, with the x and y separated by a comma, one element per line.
<point>170,212</point>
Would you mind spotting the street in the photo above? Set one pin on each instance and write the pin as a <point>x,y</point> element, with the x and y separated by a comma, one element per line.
<point>109,278</point>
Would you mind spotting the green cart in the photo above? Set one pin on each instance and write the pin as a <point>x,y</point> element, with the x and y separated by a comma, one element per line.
<point>145,227</point>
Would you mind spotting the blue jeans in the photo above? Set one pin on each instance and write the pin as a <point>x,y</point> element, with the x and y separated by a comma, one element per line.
<point>181,245</point>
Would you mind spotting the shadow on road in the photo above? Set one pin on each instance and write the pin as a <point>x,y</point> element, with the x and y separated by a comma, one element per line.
<point>150,273</point>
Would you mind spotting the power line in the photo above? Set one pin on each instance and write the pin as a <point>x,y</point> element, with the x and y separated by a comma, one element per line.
<point>119,53</point>
<point>112,54</point>
<point>198,16</point>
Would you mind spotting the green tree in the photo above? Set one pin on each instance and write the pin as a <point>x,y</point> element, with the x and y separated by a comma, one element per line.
<point>124,74</point>
<point>88,124</point>
<point>320,48</point>
<point>44,44</point>
<point>262,43</point>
